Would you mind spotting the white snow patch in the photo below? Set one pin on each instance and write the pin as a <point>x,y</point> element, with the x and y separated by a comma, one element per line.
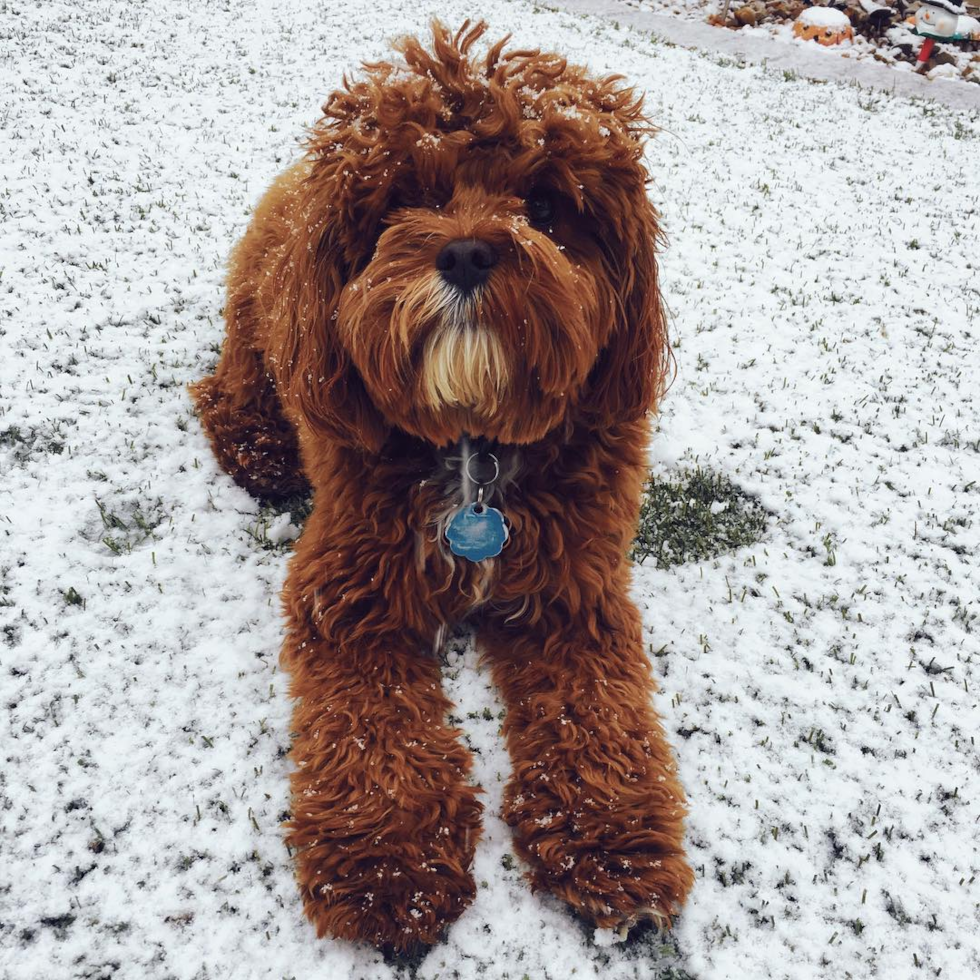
<point>824,17</point>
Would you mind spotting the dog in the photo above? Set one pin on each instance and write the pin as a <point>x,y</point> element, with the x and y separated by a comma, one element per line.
<point>446,322</point>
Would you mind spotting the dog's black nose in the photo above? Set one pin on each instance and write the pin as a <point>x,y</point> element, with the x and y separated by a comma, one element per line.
<point>466,263</point>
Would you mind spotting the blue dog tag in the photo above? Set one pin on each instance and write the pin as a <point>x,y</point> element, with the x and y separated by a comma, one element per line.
<point>477,532</point>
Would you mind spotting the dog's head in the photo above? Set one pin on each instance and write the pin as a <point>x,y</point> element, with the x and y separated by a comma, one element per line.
<point>476,252</point>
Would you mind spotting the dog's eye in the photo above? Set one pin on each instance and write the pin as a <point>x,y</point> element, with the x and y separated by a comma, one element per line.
<point>396,202</point>
<point>540,207</point>
<point>408,194</point>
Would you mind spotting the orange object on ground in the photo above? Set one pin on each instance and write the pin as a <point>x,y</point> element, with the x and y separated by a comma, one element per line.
<point>823,25</point>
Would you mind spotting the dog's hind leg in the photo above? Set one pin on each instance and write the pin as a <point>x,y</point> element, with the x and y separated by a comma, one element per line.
<point>252,439</point>
<point>238,404</point>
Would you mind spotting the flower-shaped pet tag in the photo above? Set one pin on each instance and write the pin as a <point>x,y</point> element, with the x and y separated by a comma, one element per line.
<point>477,531</point>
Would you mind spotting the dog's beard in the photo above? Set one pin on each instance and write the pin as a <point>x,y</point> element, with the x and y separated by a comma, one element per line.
<point>463,361</point>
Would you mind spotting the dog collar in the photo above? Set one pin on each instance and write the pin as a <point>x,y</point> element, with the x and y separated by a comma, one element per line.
<point>477,531</point>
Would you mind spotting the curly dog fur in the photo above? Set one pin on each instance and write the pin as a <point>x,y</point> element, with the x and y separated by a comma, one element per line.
<point>353,364</point>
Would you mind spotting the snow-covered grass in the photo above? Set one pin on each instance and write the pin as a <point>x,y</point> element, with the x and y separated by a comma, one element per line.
<point>820,685</point>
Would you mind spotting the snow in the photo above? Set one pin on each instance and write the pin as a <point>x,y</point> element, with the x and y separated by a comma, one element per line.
<point>824,17</point>
<point>820,687</point>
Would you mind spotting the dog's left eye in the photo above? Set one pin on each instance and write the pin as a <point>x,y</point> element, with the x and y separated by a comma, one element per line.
<point>540,207</point>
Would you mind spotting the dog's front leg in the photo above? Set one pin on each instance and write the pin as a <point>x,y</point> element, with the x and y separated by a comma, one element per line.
<point>383,819</point>
<point>595,802</point>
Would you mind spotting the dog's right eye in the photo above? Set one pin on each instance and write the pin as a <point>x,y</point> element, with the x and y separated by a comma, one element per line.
<point>395,203</point>
<point>540,207</point>
<point>408,194</point>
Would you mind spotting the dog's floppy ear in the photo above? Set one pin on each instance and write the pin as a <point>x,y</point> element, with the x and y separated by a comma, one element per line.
<point>630,374</point>
<point>314,373</point>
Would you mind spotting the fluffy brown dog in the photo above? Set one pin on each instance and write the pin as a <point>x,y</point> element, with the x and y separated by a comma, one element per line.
<point>462,265</point>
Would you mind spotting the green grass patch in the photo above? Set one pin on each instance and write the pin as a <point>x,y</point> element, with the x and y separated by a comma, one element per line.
<point>128,524</point>
<point>298,508</point>
<point>695,516</point>
<point>24,444</point>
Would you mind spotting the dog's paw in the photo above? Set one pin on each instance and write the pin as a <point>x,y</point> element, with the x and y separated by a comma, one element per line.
<point>394,879</point>
<point>618,891</point>
<point>390,903</point>
<point>660,920</point>
<point>614,866</point>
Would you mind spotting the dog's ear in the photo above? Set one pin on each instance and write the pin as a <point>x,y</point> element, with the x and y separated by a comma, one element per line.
<point>314,373</point>
<point>630,374</point>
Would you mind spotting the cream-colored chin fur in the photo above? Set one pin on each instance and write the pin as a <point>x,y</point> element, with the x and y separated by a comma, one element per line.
<point>464,366</point>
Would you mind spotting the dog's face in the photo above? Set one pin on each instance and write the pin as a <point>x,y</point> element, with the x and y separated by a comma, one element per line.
<point>478,255</point>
